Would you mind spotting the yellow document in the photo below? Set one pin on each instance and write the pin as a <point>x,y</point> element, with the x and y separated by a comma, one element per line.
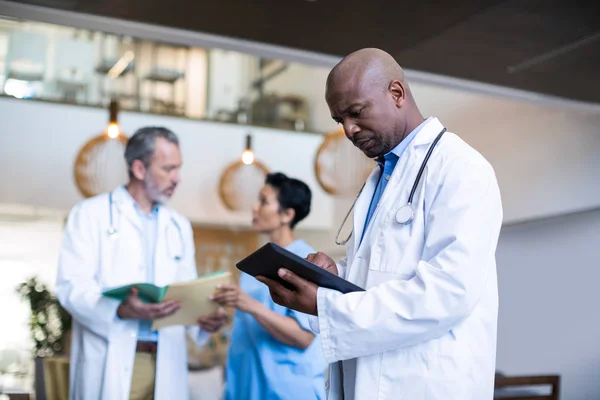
<point>194,299</point>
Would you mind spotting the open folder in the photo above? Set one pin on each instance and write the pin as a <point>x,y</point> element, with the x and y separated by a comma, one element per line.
<point>192,295</point>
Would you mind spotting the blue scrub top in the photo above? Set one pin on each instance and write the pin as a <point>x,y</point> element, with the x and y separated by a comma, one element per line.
<point>259,367</point>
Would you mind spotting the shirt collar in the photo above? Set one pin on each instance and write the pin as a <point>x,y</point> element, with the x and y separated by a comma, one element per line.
<point>153,213</point>
<point>395,154</point>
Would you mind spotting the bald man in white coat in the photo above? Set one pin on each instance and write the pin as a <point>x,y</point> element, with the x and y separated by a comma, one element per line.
<point>425,327</point>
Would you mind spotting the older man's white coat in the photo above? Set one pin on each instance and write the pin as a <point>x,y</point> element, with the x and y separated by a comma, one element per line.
<point>103,345</point>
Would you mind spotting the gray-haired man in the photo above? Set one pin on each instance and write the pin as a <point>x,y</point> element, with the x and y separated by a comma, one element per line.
<point>129,236</point>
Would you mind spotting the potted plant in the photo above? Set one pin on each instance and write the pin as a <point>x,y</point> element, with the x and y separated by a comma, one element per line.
<point>49,325</point>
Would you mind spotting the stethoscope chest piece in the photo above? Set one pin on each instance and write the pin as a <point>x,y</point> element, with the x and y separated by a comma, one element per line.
<point>112,233</point>
<point>405,214</point>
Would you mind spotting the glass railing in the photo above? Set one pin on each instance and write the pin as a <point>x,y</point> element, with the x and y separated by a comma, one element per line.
<point>64,64</point>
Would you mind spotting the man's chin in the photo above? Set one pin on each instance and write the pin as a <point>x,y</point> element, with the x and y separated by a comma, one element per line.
<point>162,199</point>
<point>371,153</point>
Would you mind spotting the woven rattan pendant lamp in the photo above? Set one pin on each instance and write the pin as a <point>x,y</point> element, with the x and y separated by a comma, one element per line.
<point>100,164</point>
<point>241,181</point>
<point>340,167</point>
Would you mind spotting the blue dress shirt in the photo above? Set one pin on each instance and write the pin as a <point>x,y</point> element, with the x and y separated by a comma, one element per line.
<point>387,165</point>
<point>149,224</point>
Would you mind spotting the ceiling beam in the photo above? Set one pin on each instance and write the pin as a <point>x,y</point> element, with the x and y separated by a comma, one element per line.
<point>199,39</point>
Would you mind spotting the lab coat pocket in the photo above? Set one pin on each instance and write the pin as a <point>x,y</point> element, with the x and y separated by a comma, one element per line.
<point>449,380</point>
<point>404,375</point>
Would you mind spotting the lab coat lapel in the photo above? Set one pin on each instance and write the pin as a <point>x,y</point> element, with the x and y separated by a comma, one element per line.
<point>407,167</point>
<point>362,206</point>
<point>428,133</point>
<point>399,176</point>
<point>124,205</point>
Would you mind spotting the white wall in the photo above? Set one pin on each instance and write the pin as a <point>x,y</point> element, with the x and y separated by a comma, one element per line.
<point>545,156</point>
<point>39,143</point>
<point>549,322</point>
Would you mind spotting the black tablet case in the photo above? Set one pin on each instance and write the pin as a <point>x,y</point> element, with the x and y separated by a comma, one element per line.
<point>269,258</point>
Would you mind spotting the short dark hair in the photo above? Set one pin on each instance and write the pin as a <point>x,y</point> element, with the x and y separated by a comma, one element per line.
<point>142,144</point>
<point>291,193</point>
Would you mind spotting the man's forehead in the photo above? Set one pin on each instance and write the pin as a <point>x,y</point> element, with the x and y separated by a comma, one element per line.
<point>164,149</point>
<point>340,98</point>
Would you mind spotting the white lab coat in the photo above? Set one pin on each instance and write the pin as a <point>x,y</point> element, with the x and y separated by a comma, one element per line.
<point>425,329</point>
<point>103,345</point>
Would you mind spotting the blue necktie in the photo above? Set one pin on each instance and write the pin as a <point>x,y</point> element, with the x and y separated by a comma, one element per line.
<point>388,167</point>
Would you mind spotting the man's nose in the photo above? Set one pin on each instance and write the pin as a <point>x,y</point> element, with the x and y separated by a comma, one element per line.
<point>350,129</point>
<point>176,177</point>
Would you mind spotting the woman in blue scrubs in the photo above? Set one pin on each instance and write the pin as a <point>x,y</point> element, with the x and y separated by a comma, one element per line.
<point>273,353</point>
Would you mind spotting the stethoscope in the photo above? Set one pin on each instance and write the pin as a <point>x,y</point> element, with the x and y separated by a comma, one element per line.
<point>406,213</point>
<point>113,233</point>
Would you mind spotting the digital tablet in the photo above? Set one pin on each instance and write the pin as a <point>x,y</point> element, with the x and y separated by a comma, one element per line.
<point>267,260</point>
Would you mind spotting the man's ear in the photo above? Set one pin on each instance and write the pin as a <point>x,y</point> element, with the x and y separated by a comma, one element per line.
<point>138,170</point>
<point>398,92</point>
